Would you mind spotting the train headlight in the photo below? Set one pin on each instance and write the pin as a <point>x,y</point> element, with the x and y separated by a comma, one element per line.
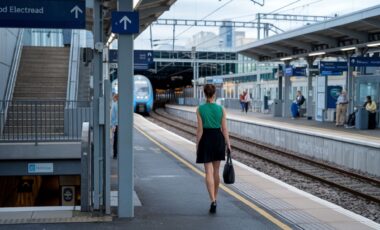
<point>146,97</point>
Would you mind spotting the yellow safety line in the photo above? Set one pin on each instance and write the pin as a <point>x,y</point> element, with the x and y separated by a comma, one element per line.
<point>226,189</point>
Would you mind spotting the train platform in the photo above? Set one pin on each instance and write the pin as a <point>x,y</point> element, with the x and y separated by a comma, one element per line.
<point>253,191</point>
<point>350,148</point>
<point>172,195</point>
<point>301,123</point>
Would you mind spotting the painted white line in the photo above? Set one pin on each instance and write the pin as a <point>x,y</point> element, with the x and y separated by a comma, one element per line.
<point>328,204</point>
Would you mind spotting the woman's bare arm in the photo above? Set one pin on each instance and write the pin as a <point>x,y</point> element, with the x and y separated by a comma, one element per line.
<point>225,129</point>
<point>199,127</point>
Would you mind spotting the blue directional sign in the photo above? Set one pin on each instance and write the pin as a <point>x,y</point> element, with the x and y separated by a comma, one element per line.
<point>143,59</point>
<point>69,14</point>
<point>365,61</point>
<point>125,22</point>
<point>299,71</point>
<point>330,68</point>
<point>288,71</point>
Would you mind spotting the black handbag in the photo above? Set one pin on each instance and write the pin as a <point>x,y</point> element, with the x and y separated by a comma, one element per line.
<point>229,172</point>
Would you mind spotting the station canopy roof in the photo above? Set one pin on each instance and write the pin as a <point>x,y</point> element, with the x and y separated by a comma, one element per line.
<point>149,11</point>
<point>358,29</point>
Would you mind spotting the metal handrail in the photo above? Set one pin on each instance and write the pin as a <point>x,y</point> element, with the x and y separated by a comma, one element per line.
<point>11,82</point>
<point>43,121</point>
<point>73,73</point>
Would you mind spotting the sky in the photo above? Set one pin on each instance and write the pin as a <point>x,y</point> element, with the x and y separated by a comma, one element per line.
<point>241,10</point>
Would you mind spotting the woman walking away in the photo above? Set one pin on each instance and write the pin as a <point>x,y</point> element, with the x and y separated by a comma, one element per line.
<point>212,137</point>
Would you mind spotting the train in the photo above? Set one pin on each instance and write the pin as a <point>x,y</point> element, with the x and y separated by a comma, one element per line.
<point>142,96</point>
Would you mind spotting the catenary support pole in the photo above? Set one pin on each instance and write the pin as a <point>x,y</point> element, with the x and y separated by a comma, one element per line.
<point>309,97</point>
<point>125,145</point>
<point>97,67</point>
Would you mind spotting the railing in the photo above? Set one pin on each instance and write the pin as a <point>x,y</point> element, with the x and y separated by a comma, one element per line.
<point>11,82</point>
<point>43,121</point>
<point>73,76</point>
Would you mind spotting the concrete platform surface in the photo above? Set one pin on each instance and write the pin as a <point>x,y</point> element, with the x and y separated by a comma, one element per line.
<point>303,210</point>
<point>172,197</point>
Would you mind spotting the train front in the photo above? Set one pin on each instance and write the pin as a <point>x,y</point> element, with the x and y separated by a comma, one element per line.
<point>143,96</point>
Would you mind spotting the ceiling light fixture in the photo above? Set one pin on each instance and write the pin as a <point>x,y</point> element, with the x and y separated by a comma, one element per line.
<point>316,54</point>
<point>374,44</point>
<point>348,48</point>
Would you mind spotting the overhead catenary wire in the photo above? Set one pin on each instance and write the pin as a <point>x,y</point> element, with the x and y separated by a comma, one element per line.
<point>274,11</point>
<point>213,12</point>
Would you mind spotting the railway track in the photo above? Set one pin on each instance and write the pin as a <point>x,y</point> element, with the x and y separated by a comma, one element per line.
<point>354,183</point>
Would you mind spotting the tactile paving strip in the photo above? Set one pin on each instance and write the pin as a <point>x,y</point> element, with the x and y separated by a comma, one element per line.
<point>280,207</point>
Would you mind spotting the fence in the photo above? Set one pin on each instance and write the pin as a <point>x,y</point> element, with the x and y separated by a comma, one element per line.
<point>42,121</point>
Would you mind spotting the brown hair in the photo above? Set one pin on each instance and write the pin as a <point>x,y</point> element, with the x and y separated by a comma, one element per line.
<point>209,90</point>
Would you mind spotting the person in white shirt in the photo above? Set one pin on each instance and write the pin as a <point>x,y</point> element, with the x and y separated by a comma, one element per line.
<point>341,108</point>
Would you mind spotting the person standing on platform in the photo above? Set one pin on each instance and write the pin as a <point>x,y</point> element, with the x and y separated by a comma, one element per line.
<point>212,138</point>
<point>115,122</point>
<point>341,108</point>
<point>241,99</point>
<point>300,99</point>
<point>246,100</point>
<point>370,106</point>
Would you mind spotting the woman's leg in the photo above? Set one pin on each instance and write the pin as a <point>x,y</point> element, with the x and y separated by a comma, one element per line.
<point>216,165</point>
<point>210,180</point>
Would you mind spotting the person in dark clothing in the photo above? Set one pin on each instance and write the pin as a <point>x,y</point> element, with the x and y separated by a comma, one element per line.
<point>212,138</point>
<point>371,107</point>
<point>300,99</point>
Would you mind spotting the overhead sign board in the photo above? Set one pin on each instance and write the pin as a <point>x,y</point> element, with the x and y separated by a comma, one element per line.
<point>69,14</point>
<point>365,61</point>
<point>143,59</point>
<point>299,71</point>
<point>125,22</point>
<point>329,68</point>
<point>40,168</point>
<point>288,71</point>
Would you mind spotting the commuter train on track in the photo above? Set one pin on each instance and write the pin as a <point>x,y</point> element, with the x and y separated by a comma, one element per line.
<point>142,95</point>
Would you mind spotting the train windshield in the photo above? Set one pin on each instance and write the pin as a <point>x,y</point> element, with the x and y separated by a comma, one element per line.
<point>141,88</point>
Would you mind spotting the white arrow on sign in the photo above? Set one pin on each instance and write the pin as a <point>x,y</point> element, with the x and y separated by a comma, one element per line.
<point>125,19</point>
<point>77,10</point>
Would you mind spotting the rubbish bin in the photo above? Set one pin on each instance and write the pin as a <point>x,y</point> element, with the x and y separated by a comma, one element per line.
<point>266,105</point>
<point>361,119</point>
<point>277,108</point>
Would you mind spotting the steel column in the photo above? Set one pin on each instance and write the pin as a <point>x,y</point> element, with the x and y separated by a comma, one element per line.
<point>125,109</point>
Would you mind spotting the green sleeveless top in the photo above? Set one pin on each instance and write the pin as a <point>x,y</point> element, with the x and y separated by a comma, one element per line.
<point>211,115</point>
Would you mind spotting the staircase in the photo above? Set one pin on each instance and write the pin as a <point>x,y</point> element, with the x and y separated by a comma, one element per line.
<point>37,108</point>
<point>42,74</point>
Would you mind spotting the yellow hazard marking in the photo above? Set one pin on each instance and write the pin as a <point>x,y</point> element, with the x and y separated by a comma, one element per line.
<point>222,186</point>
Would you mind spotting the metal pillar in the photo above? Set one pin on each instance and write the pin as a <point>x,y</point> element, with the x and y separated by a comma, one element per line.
<point>97,102</point>
<point>195,69</point>
<point>309,98</point>
<point>107,146</point>
<point>286,99</point>
<point>173,37</point>
<point>258,27</point>
<point>125,109</point>
<point>280,76</point>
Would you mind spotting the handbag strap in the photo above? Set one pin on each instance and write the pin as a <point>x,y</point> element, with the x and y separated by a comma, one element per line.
<point>229,159</point>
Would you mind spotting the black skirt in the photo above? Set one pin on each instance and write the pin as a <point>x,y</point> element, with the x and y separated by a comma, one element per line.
<point>211,146</point>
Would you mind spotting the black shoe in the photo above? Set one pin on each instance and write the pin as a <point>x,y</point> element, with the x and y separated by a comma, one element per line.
<point>213,207</point>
